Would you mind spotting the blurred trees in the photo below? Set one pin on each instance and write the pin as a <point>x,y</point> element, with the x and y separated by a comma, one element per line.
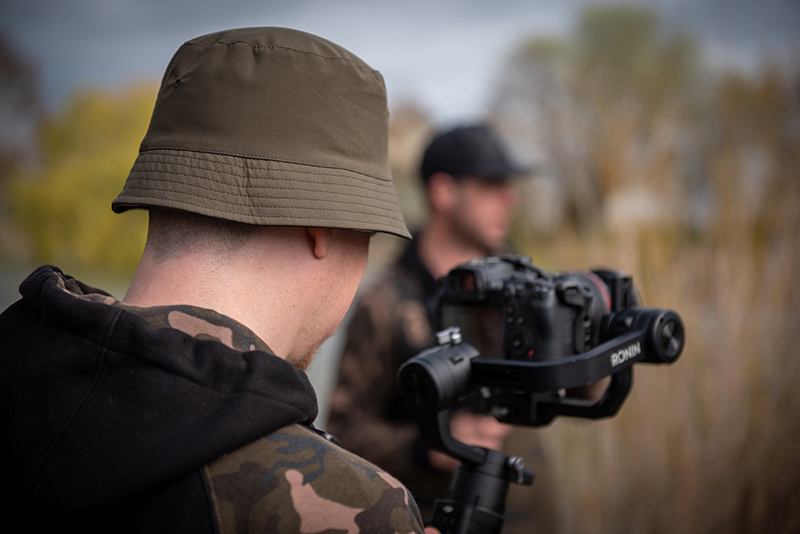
<point>20,113</point>
<point>603,109</point>
<point>410,131</point>
<point>64,204</point>
<point>687,179</point>
<point>20,109</point>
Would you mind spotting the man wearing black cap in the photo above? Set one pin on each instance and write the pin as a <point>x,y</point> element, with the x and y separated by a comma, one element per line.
<point>467,176</point>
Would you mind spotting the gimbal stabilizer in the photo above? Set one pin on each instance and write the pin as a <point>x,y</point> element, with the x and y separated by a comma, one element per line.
<point>527,393</point>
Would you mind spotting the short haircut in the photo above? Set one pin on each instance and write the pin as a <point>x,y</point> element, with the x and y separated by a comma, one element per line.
<point>173,233</point>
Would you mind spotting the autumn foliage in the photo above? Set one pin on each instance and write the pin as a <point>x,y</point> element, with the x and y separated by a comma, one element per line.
<point>64,204</point>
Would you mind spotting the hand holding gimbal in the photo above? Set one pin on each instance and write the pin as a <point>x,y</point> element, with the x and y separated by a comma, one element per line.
<point>559,331</point>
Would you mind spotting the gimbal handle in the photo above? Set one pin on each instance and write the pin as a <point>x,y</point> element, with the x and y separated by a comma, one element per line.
<point>475,503</point>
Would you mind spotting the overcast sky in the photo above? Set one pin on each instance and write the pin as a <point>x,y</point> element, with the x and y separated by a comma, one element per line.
<point>442,55</point>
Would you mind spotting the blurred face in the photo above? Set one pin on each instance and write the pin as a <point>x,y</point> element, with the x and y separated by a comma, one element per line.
<point>482,211</point>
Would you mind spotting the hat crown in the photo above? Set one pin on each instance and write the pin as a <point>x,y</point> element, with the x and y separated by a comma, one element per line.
<point>273,93</point>
<point>269,126</point>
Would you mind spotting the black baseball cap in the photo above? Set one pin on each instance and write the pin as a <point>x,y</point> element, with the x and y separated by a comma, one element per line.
<point>469,151</point>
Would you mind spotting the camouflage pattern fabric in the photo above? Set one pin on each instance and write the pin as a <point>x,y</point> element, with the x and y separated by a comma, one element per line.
<point>292,480</point>
<point>202,324</point>
<point>197,322</point>
<point>296,481</point>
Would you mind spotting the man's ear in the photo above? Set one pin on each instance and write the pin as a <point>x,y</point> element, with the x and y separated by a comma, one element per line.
<point>319,239</point>
<point>442,191</point>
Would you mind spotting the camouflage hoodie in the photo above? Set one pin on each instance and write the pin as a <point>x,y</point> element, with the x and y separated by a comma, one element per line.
<point>167,420</point>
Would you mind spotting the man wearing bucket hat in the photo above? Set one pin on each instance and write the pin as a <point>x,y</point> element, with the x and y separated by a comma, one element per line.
<point>467,174</point>
<point>184,407</point>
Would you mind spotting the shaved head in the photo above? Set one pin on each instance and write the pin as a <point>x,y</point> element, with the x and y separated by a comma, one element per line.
<point>174,233</point>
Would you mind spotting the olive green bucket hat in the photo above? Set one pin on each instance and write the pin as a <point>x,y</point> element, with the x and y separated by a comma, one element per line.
<point>269,126</point>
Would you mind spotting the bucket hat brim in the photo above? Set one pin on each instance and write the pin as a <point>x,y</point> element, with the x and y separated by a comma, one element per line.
<point>261,192</point>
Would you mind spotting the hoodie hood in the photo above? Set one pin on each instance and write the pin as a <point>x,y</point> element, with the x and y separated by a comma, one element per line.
<point>97,406</point>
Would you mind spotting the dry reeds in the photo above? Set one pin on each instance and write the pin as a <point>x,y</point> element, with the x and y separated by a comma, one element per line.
<point>709,444</point>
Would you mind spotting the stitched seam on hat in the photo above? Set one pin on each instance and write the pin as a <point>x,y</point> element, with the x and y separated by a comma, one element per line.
<point>250,165</point>
<point>138,200</point>
<point>379,189</point>
<point>268,169</point>
<point>251,158</point>
<point>277,178</point>
<point>254,47</point>
<point>390,200</point>
<point>231,203</point>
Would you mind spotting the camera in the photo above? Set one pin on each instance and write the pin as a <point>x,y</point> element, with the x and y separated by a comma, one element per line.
<point>525,338</point>
<point>541,316</point>
<point>524,342</point>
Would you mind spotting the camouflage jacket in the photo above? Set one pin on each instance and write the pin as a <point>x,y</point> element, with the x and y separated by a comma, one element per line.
<point>393,321</point>
<point>143,428</point>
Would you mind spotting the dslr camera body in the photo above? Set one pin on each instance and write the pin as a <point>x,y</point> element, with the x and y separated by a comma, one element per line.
<point>542,316</point>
